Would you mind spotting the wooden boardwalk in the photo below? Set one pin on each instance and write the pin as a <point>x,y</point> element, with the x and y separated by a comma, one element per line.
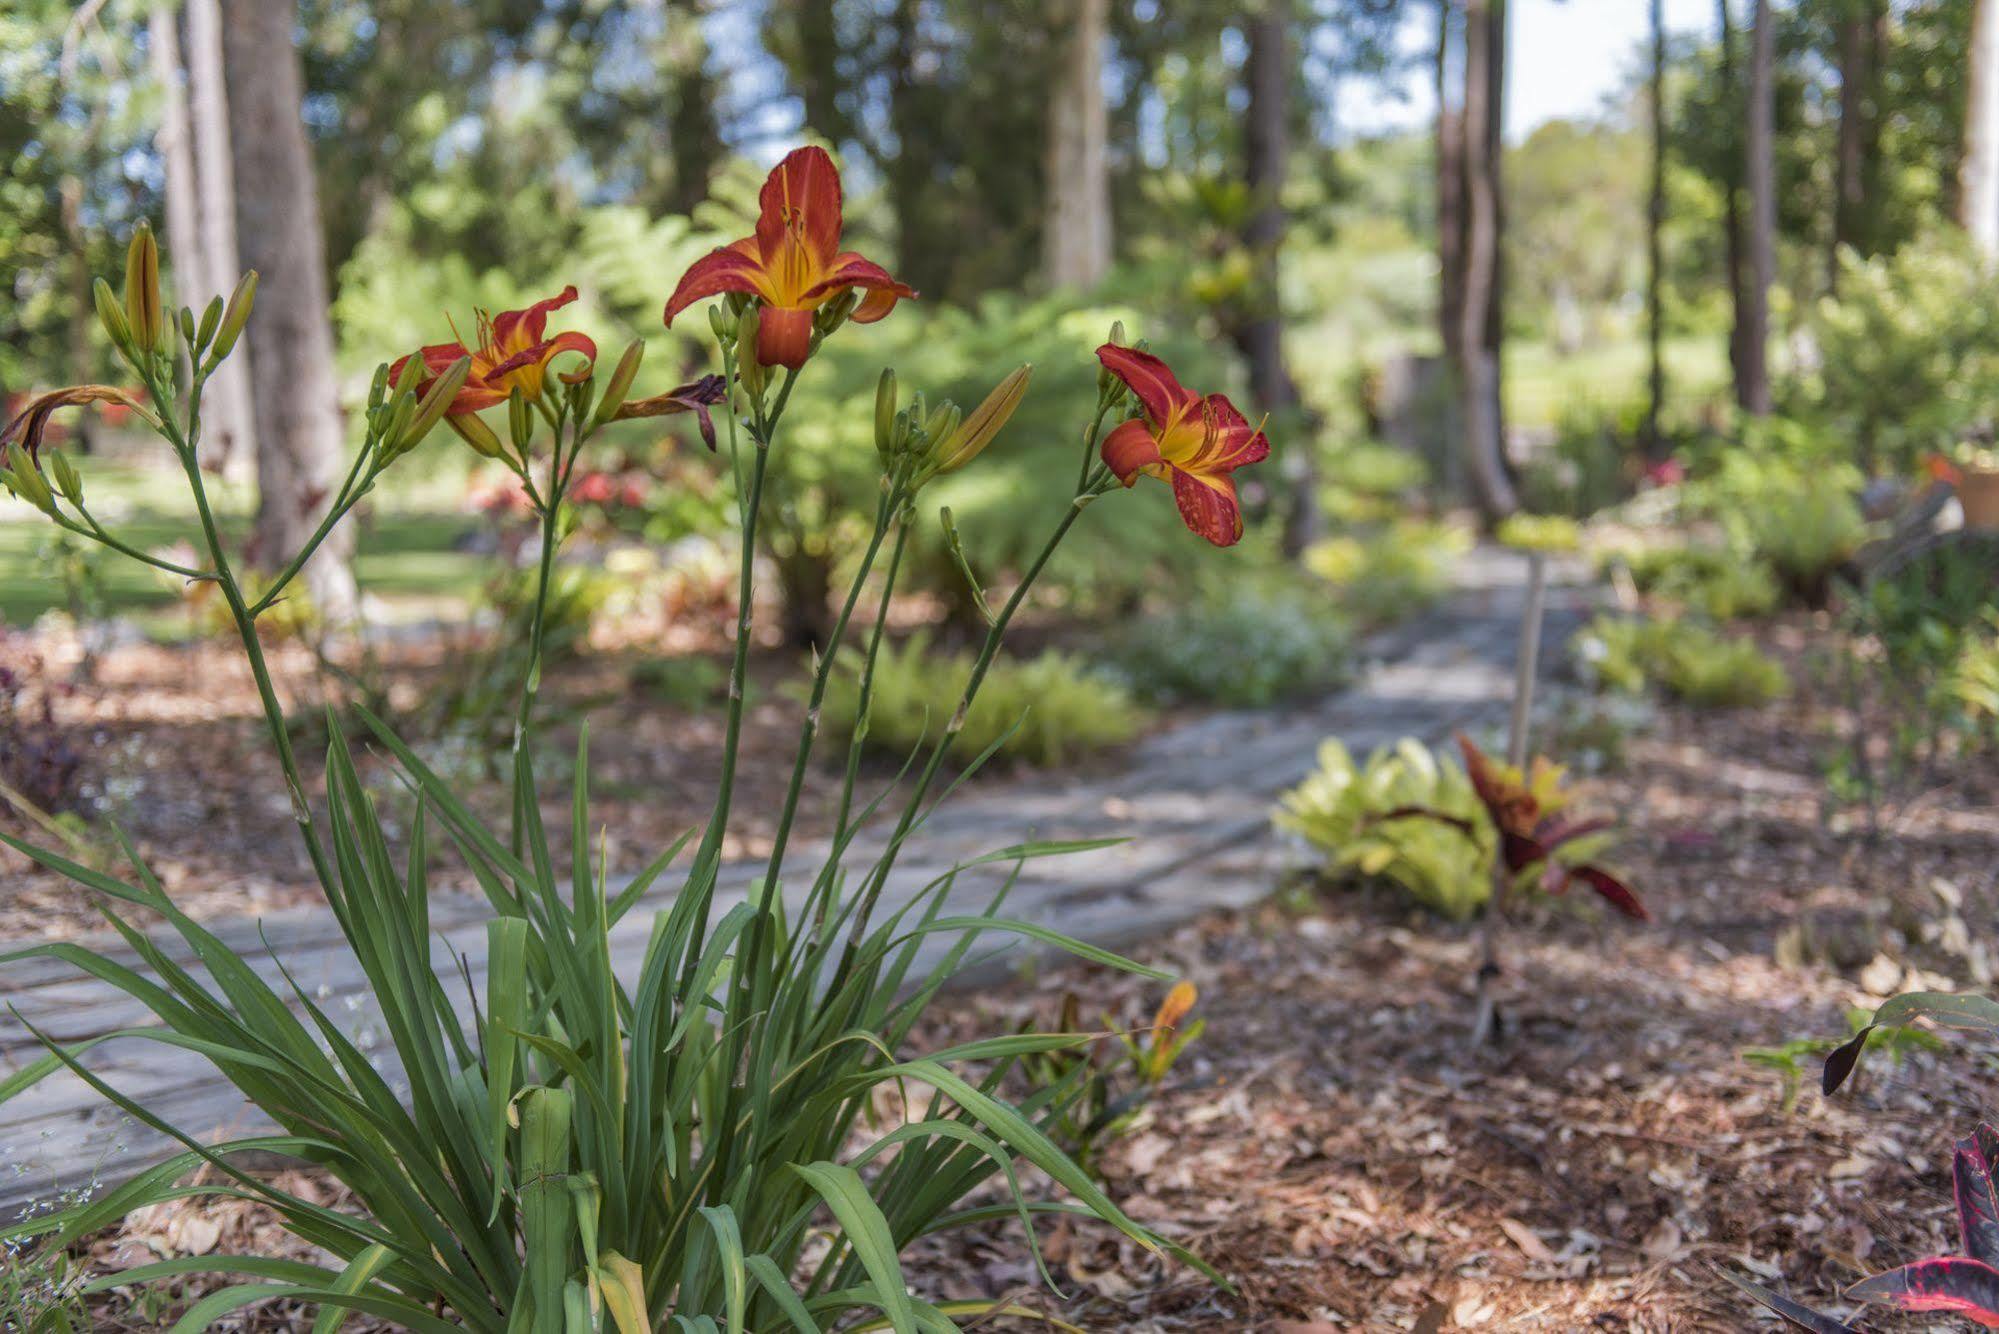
<point>1194,803</point>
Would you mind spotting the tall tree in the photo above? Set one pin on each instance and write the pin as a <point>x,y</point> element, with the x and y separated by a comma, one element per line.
<point>1857,37</point>
<point>1762,173</point>
<point>1484,443</point>
<point>1978,178</point>
<point>1495,166</point>
<point>230,433</point>
<point>175,143</point>
<point>1729,92</point>
<point>1450,185</point>
<point>298,420</point>
<point>1655,251</point>
<point>1076,236</point>
<point>1259,333</point>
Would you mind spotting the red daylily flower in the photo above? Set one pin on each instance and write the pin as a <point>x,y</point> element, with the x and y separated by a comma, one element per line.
<point>793,264</point>
<point>1195,443</point>
<point>514,350</point>
<point>1521,808</point>
<point>33,422</point>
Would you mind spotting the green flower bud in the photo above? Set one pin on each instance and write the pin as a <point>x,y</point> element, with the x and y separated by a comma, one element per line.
<point>378,387</point>
<point>885,413</point>
<point>520,421</point>
<point>434,405</point>
<point>965,444</point>
<point>234,316</point>
<point>24,481</point>
<point>211,318</point>
<point>474,432</point>
<point>112,316</point>
<point>747,369</point>
<point>619,386</point>
<point>68,481</point>
<point>143,313</point>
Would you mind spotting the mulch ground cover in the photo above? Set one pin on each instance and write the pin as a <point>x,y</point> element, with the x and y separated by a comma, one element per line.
<point>1335,1147</point>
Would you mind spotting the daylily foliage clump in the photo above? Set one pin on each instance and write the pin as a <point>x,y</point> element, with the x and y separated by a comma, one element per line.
<point>693,1142</point>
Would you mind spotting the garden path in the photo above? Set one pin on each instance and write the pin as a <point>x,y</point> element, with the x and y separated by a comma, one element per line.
<point>1193,802</point>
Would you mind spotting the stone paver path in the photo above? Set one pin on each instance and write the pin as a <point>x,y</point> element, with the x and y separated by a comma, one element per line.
<point>1193,801</point>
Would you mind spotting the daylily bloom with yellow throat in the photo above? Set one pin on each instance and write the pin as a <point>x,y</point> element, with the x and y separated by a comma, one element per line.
<point>1193,442</point>
<point>793,264</point>
<point>514,350</point>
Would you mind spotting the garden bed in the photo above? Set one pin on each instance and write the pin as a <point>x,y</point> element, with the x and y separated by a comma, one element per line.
<point>1334,1147</point>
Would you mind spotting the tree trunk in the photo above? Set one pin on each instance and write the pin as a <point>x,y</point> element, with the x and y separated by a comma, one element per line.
<point>229,432</point>
<point>1076,233</point>
<point>1495,166</point>
<point>818,71</point>
<point>1450,192</point>
<point>298,421</point>
<point>1259,333</point>
<point>1762,211</point>
<point>1484,445</point>
<point>1978,175</point>
<point>1856,111</point>
<point>694,138</point>
<point>1731,219</point>
<point>175,142</point>
<point>1655,254</point>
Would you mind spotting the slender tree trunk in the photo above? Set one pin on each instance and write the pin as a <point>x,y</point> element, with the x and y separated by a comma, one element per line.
<point>1655,253</point>
<point>1847,165</point>
<point>175,142</point>
<point>694,137</point>
<point>230,431</point>
<point>1259,333</point>
<point>1734,243</point>
<point>1485,458</point>
<point>1076,235</point>
<point>1762,210</point>
<point>1495,165</point>
<point>299,428</point>
<point>1450,192</point>
<point>1978,175</point>
<point>818,72</point>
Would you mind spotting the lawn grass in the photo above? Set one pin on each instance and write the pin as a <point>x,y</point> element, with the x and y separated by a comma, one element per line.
<point>406,550</point>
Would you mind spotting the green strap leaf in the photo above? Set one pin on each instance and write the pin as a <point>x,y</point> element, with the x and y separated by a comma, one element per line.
<point>868,1233</point>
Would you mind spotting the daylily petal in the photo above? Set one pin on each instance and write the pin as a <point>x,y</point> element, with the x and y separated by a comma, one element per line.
<point>573,342</point>
<point>1614,891</point>
<point>784,336</point>
<point>1150,380</point>
<point>1232,442</point>
<point>1209,506</point>
<point>801,198</point>
<point>528,325</point>
<point>733,268</point>
<point>1129,450</point>
<point>850,270</point>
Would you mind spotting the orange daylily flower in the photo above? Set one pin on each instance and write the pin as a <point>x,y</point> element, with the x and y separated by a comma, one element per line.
<point>514,350</point>
<point>793,264</point>
<point>1195,443</point>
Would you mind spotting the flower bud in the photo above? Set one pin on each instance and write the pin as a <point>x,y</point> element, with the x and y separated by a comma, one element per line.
<point>112,316</point>
<point>68,481</point>
<point>395,421</point>
<point>24,481</point>
<point>234,316</point>
<point>722,323</point>
<point>474,432</point>
<point>378,386</point>
<point>187,326</point>
<point>143,314</point>
<point>619,386</point>
<point>434,405</point>
<point>835,312</point>
<point>411,376</point>
<point>520,421</point>
<point>885,413</point>
<point>965,444</point>
<point>747,368</point>
<point>210,319</point>
<point>941,423</point>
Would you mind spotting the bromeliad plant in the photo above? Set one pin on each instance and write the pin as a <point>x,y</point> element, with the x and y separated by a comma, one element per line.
<point>695,1142</point>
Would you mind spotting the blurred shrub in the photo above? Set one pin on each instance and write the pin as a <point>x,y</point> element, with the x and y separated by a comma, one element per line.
<point>1340,808</point>
<point>1249,650</point>
<point>1683,658</point>
<point>1787,495</point>
<point>1064,707</point>
<point>1717,583</point>
<point>1587,468</point>
<point>1391,573</point>
<point>1909,350</point>
<point>1540,532</point>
